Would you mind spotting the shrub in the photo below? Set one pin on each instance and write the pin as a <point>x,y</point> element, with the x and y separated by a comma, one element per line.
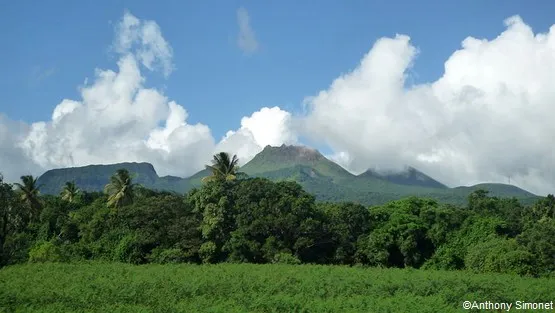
<point>45,251</point>
<point>207,252</point>
<point>285,258</point>
<point>501,255</point>
<point>128,250</point>
<point>164,256</point>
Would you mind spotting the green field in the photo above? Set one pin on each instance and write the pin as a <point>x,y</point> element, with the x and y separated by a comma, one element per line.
<point>116,287</point>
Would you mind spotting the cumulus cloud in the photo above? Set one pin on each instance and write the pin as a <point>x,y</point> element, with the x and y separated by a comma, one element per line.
<point>144,39</point>
<point>268,126</point>
<point>119,119</point>
<point>116,120</point>
<point>246,39</point>
<point>13,158</point>
<point>486,119</point>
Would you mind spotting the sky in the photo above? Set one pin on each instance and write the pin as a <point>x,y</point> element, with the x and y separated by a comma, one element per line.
<point>463,91</point>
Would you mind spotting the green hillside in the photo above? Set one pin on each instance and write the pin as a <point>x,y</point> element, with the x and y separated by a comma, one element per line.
<point>172,183</point>
<point>95,177</point>
<point>330,182</point>
<point>410,176</point>
<point>326,180</point>
<point>500,190</point>
<point>272,159</point>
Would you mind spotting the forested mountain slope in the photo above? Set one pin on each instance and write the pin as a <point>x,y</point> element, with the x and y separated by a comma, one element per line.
<point>326,180</point>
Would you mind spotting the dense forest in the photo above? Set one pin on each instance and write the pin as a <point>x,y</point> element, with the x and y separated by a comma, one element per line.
<point>233,218</point>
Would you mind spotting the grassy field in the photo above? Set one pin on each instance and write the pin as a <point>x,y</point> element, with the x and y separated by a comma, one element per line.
<point>97,287</point>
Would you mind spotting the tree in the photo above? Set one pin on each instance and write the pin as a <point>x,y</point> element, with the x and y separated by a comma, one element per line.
<point>70,192</point>
<point>274,218</point>
<point>213,204</point>
<point>120,189</point>
<point>501,255</point>
<point>479,201</point>
<point>544,208</point>
<point>539,239</point>
<point>223,167</point>
<point>346,222</point>
<point>9,219</point>
<point>29,194</point>
<point>399,235</point>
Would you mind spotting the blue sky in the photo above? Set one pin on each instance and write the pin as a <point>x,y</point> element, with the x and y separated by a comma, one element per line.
<point>51,47</point>
<point>462,110</point>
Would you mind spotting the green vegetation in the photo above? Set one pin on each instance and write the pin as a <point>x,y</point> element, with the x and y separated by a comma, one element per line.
<point>319,176</point>
<point>496,249</point>
<point>120,189</point>
<point>255,220</point>
<point>70,192</point>
<point>94,177</point>
<point>97,287</point>
<point>223,167</point>
<point>277,158</point>
<point>410,176</point>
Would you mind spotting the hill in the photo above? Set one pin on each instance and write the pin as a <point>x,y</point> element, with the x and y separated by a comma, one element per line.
<point>95,177</point>
<point>409,176</point>
<point>326,180</point>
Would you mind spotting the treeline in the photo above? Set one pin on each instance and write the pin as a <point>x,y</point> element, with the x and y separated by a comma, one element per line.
<point>258,221</point>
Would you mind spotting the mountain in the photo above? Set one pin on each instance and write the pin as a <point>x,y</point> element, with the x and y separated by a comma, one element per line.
<point>499,190</point>
<point>273,159</point>
<point>326,180</point>
<point>409,176</point>
<point>95,177</point>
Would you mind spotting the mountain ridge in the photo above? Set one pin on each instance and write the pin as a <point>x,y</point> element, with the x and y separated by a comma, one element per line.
<point>327,180</point>
<point>89,177</point>
<point>407,176</point>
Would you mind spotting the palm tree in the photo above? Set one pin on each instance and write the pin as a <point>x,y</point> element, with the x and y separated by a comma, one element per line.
<point>70,192</point>
<point>223,167</point>
<point>29,194</point>
<point>120,189</point>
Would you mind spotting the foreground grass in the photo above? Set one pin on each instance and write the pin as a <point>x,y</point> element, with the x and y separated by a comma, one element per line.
<point>113,287</point>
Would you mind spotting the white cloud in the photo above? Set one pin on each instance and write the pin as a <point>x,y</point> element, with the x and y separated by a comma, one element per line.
<point>487,118</point>
<point>246,39</point>
<point>144,40</point>
<point>13,159</point>
<point>342,158</point>
<point>117,119</point>
<point>241,143</point>
<point>268,126</point>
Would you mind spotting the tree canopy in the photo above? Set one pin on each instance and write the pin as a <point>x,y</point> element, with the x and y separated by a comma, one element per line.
<point>256,220</point>
<point>70,192</point>
<point>223,167</point>
<point>120,189</point>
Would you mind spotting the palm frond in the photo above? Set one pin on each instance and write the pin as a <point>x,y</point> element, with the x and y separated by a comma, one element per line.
<point>223,167</point>
<point>120,189</point>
